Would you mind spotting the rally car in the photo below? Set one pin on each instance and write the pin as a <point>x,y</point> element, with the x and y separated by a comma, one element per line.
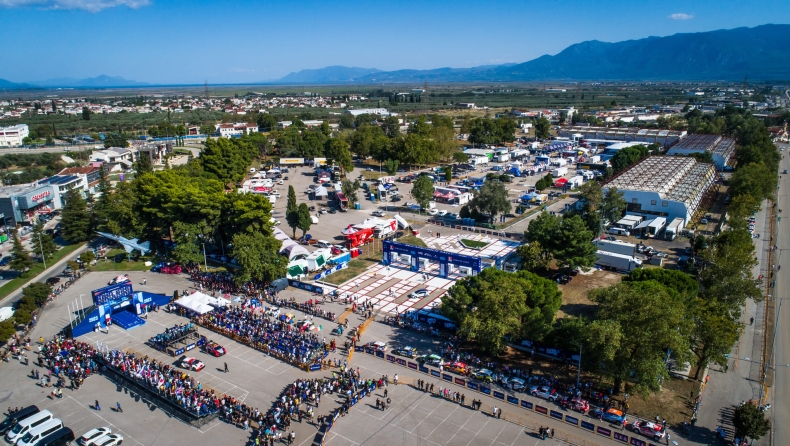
<point>514,383</point>
<point>409,352</point>
<point>576,404</point>
<point>377,346</point>
<point>649,429</point>
<point>192,364</point>
<point>545,392</point>
<point>215,349</point>
<point>484,375</point>
<point>611,415</point>
<point>458,367</point>
<point>432,360</point>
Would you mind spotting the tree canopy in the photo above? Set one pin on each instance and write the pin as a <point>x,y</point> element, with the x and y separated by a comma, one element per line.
<point>496,304</point>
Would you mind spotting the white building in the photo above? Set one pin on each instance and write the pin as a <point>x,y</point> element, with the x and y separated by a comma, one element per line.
<point>665,186</point>
<point>13,135</point>
<point>369,111</point>
<point>115,157</point>
<point>228,130</point>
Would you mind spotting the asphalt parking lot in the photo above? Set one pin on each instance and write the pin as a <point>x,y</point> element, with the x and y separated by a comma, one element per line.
<point>258,380</point>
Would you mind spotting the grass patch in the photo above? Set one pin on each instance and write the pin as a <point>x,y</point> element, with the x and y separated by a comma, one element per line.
<point>180,151</point>
<point>355,267</point>
<point>473,244</point>
<point>15,284</point>
<point>412,240</point>
<point>370,175</point>
<point>134,265</point>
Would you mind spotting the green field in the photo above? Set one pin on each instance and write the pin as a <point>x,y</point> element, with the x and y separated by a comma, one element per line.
<point>31,274</point>
<point>474,244</point>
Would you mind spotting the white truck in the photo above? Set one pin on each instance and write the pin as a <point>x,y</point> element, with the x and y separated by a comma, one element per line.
<point>619,262</point>
<point>559,172</point>
<point>616,246</point>
<point>673,229</point>
<point>575,182</point>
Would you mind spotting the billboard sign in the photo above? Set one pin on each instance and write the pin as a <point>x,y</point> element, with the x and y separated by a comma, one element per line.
<point>112,294</point>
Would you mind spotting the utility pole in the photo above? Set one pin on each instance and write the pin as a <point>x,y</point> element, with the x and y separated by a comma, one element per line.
<point>205,259</point>
<point>579,376</point>
<point>43,257</point>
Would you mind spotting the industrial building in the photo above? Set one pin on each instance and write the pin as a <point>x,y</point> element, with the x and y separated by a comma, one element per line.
<point>12,136</point>
<point>648,136</point>
<point>666,186</point>
<point>719,146</point>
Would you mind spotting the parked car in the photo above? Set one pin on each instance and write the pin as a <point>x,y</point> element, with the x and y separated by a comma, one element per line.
<point>561,278</point>
<point>576,404</point>
<point>5,260</point>
<point>407,351</point>
<point>378,346</point>
<point>484,375</point>
<point>441,213</point>
<point>611,415</point>
<point>93,434</point>
<point>432,360</point>
<point>377,213</point>
<point>514,383</point>
<point>107,440</point>
<point>458,367</point>
<point>419,294</point>
<point>190,363</point>
<point>545,392</point>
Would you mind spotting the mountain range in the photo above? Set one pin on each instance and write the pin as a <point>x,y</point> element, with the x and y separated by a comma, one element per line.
<point>102,81</point>
<point>761,53</point>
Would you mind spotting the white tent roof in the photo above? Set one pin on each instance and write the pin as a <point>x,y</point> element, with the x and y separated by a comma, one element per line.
<point>295,250</point>
<point>279,234</point>
<point>321,191</point>
<point>201,303</point>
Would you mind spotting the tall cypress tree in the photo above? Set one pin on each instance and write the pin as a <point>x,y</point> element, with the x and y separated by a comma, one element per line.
<point>20,257</point>
<point>292,210</point>
<point>75,217</point>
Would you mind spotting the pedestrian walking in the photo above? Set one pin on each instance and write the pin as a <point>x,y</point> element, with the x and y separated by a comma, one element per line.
<point>551,434</point>
<point>144,281</point>
<point>96,405</point>
<point>226,367</point>
<point>118,406</point>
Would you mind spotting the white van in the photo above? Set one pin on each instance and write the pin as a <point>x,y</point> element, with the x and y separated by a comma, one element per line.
<point>618,231</point>
<point>34,435</point>
<point>323,244</point>
<point>22,427</point>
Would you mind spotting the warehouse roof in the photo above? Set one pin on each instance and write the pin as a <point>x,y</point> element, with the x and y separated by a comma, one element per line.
<point>672,177</point>
<point>715,144</point>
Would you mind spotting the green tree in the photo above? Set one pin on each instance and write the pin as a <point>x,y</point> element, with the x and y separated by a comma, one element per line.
<point>115,140</point>
<point>257,256</point>
<point>714,334</point>
<point>86,114</point>
<point>448,174</point>
<point>755,180</point>
<point>392,166</point>
<point>75,217</point>
<point>305,219</point>
<point>573,245</point>
<point>187,249</point>
<point>87,257</point>
<point>533,257</point>
<point>491,200</point>
<point>613,205</point>
<point>41,243</point>
<point>544,229</point>
<point>292,210</point>
<point>638,322</point>
<point>422,191</point>
<point>336,149</point>
<point>7,329</point>
<point>38,292</point>
<point>495,304</point>
<point>346,121</point>
<point>727,277</point>
<point>20,257</point>
<point>246,212</point>
<point>349,189</point>
<point>143,164</point>
<point>750,421</point>
<point>542,128</point>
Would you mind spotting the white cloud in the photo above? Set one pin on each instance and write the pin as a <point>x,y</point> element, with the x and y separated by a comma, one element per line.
<point>85,5</point>
<point>681,16</point>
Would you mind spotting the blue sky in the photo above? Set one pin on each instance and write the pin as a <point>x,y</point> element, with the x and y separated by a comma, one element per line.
<point>179,41</point>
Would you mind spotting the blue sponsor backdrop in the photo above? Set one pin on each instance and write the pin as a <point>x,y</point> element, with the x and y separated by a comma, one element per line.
<point>112,294</point>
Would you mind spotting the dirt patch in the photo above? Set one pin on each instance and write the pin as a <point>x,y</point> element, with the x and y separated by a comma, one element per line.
<point>673,403</point>
<point>574,293</point>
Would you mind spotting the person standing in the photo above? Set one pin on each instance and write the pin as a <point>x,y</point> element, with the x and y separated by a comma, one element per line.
<point>96,405</point>
<point>118,407</point>
<point>226,367</point>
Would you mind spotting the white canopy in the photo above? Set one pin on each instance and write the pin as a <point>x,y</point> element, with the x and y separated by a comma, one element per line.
<point>294,250</point>
<point>279,234</point>
<point>201,303</point>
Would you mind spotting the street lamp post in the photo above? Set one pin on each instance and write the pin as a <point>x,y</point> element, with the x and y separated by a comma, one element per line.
<point>205,259</point>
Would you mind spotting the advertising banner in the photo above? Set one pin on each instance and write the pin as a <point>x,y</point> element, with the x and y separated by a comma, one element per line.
<point>112,294</point>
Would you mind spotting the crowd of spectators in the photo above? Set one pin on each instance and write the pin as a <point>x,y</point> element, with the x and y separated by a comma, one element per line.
<point>275,337</point>
<point>311,306</point>
<point>67,359</point>
<point>169,382</point>
<point>178,331</point>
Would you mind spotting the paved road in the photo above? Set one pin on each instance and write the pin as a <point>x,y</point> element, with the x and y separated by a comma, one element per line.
<point>50,149</point>
<point>780,393</point>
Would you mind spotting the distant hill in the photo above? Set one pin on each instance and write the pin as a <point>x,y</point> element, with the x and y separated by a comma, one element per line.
<point>333,74</point>
<point>8,85</point>
<point>91,82</point>
<point>761,52</point>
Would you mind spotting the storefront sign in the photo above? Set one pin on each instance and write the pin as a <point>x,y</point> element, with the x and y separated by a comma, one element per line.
<point>40,196</point>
